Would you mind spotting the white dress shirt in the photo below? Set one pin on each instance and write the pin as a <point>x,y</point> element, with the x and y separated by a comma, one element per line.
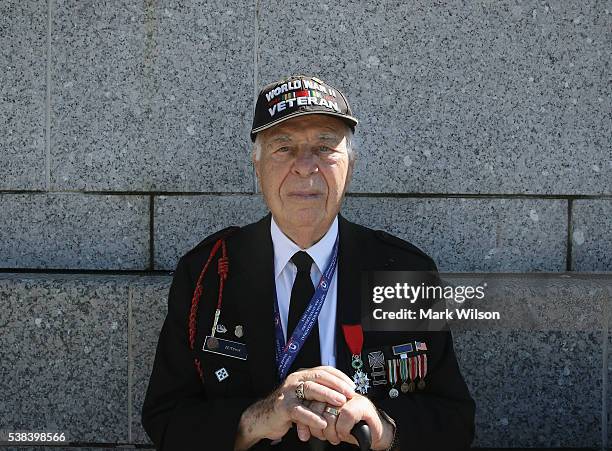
<point>285,272</point>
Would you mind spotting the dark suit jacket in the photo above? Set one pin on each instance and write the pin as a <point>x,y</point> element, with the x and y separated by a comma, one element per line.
<point>180,413</point>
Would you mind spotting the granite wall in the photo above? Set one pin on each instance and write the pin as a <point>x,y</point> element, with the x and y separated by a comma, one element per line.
<point>484,139</point>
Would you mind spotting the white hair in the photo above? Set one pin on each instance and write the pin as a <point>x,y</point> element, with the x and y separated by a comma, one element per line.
<point>350,145</point>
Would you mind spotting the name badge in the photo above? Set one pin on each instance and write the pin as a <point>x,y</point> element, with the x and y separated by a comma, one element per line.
<point>225,347</point>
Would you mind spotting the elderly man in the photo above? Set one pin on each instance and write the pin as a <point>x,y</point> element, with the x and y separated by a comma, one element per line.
<point>262,346</point>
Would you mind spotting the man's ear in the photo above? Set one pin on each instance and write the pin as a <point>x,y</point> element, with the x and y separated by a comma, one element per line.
<point>256,167</point>
<point>255,164</point>
<point>349,174</point>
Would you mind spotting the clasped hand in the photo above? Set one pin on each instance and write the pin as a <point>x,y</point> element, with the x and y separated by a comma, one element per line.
<point>323,386</point>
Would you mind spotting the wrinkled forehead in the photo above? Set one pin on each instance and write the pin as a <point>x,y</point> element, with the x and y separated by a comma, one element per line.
<point>321,129</point>
<point>332,137</point>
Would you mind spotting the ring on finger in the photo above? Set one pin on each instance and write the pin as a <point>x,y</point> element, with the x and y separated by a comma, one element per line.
<point>299,391</point>
<point>332,411</point>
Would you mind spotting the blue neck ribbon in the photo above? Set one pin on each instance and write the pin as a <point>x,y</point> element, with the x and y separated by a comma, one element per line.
<point>286,353</point>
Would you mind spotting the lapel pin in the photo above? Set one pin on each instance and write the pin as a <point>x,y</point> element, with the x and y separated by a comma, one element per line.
<point>221,328</point>
<point>420,346</point>
<point>238,331</point>
<point>221,374</point>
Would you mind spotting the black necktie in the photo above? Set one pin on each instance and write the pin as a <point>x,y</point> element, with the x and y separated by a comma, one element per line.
<point>301,293</point>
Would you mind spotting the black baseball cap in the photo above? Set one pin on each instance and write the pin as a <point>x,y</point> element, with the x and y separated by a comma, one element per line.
<point>296,96</point>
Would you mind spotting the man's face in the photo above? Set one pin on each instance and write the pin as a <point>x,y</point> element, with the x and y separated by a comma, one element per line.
<point>304,170</point>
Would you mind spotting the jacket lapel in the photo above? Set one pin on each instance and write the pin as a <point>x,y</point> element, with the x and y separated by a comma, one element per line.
<point>348,308</point>
<point>251,258</point>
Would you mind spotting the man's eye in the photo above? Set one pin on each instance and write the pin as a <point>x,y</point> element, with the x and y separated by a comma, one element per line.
<point>283,149</point>
<point>324,149</point>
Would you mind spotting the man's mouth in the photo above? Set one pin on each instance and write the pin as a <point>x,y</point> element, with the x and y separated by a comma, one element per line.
<point>305,194</point>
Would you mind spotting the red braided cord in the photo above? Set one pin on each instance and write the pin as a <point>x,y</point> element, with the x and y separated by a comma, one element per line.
<point>196,297</point>
<point>222,270</point>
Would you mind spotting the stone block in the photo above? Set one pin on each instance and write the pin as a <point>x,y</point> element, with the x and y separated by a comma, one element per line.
<point>463,235</point>
<point>23,58</point>
<point>64,356</point>
<point>181,222</point>
<point>74,231</point>
<point>592,235</point>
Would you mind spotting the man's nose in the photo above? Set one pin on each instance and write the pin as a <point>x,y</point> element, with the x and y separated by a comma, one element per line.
<point>305,162</point>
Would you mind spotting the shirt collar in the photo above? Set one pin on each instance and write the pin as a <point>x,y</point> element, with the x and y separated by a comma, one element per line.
<point>284,248</point>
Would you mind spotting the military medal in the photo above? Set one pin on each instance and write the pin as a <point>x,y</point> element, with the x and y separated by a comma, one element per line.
<point>402,350</point>
<point>404,374</point>
<point>362,383</point>
<point>422,361</point>
<point>376,359</point>
<point>353,335</point>
<point>377,364</point>
<point>238,331</point>
<point>392,373</point>
<point>412,372</point>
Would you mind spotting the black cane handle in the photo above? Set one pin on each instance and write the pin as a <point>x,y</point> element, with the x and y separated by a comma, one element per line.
<point>361,431</point>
